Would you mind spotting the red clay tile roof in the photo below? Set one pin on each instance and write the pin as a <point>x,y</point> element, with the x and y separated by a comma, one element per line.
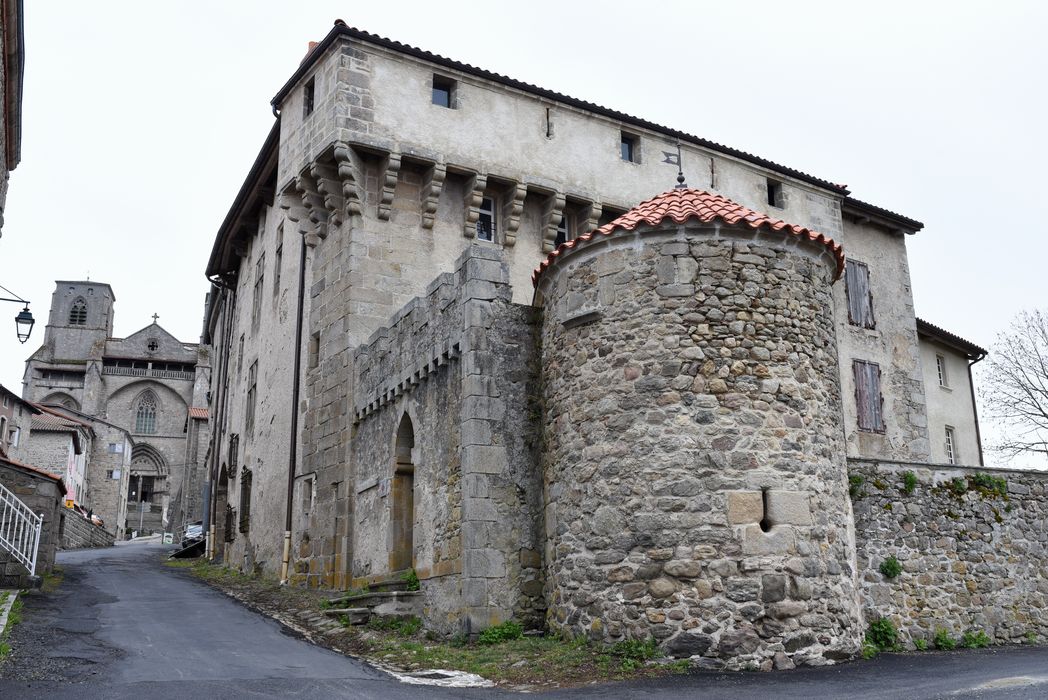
<point>200,413</point>
<point>685,204</point>
<point>49,421</point>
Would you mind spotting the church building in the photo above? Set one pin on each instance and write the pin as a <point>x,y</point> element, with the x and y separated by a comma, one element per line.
<point>146,393</point>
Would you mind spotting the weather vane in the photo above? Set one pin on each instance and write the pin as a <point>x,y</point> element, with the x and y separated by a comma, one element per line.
<point>675,159</point>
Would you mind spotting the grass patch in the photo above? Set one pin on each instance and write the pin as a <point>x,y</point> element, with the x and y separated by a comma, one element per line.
<point>13,618</point>
<point>404,626</point>
<point>497,634</point>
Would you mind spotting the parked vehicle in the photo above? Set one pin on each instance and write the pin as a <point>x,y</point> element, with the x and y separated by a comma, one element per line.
<point>194,532</point>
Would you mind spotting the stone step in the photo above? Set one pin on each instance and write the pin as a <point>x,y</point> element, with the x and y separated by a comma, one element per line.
<point>384,586</point>
<point>373,598</point>
<point>356,616</point>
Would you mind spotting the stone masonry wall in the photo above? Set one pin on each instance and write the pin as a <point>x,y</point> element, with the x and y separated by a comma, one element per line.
<point>694,466</point>
<point>44,496</point>
<point>458,363</point>
<point>81,533</point>
<point>974,556</point>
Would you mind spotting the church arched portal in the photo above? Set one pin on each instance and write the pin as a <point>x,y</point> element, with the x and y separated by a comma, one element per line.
<point>148,494</point>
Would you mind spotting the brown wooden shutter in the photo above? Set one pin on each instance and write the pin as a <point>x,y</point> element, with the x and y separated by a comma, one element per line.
<point>860,296</point>
<point>868,401</point>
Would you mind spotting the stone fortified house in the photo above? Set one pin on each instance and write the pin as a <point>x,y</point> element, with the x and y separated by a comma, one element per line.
<point>648,434</point>
<point>145,392</point>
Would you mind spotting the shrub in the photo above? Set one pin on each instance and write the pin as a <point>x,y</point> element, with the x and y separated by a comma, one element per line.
<point>975,640</point>
<point>909,482</point>
<point>883,635</point>
<point>1031,637</point>
<point>411,581</point>
<point>989,485</point>
<point>943,640</point>
<point>501,633</point>
<point>921,644</point>
<point>891,567</point>
<point>855,483</point>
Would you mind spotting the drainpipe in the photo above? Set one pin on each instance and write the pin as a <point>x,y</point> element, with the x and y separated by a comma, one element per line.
<point>295,392</point>
<point>975,410</point>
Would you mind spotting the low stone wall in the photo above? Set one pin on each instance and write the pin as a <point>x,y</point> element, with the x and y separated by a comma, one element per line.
<point>972,542</point>
<point>44,495</point>
<point>81,533</point>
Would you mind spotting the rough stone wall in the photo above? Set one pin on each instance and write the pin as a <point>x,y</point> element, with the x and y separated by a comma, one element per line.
<point>694,466</point>
<point>973,558</point>
<point>44,496</point>
<point>81,533</point>
<point>459,363</point>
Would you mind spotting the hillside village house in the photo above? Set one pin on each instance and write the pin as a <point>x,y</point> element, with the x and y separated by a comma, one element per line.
<point>425,359</point>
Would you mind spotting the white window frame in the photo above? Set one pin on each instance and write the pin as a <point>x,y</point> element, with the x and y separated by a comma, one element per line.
<point>13,436</point>
<point>951,445</point>
<point>940,367</point>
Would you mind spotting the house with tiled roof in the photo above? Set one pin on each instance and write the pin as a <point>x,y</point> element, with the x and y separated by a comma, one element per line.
<point>563,364</point>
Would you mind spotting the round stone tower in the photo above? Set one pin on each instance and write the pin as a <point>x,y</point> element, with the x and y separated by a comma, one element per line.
<point>695,467</point>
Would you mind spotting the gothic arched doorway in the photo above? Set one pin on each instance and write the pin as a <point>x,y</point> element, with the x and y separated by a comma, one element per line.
<point>147,491</point>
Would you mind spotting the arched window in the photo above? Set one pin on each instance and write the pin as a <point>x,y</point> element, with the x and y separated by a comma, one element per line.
<point>78,314</point>
<point>145,418</point>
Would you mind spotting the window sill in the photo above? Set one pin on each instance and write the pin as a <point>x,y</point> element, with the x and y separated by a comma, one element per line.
<point>946,388</point>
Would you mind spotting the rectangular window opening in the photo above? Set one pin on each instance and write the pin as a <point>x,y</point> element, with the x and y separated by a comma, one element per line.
<point>314,350</point>
<point>775,196</point>
<point>443,92</point>
<point>860,296</point>
<point>309,97</point>
<point>277,260</point>
<point>868,400</point>
<point>940,366</point>
<point>487,223</point>
<point>249,413</point>
<point>628,145</point>
<point>951,453</point>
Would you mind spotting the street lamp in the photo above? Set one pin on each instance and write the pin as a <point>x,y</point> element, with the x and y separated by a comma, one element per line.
<point>24,320</point>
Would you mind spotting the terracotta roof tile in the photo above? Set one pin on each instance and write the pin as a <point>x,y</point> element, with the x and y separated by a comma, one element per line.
<point>200,413</point>
<point>684,204</point>
<point>49,421</point>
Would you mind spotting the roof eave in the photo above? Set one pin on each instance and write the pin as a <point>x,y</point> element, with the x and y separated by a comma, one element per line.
<point>944,337</point>
<point>865,211</point>
<point>14,72</point>
<point>247,198</point>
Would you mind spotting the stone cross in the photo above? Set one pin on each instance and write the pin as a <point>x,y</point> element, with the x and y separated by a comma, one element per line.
<point>155,317</point>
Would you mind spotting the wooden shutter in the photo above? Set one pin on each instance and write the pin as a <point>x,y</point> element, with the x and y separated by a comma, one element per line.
<point>868,401</point>
<point>860,297</point>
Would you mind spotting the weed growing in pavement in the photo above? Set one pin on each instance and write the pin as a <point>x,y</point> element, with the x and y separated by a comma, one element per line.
<point>975,640</point>
<point>944,641</point>
<point>921,644</point>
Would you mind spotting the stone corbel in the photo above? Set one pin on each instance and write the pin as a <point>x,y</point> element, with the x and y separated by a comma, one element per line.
<point>431,189</point>
<point>511,212</point>
<point>474,198</point>
<point>552,211</point>
<point>352,176</point>
<point>389,186</point>
<point>313,202</point>
<point>330,189</point>
<point>593,217</point>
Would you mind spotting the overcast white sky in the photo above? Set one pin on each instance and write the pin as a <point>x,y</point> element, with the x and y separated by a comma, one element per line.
<point>141,120</point>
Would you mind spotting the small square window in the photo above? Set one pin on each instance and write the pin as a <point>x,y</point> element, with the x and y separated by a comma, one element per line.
<point>775,197</point>
<point>629,149</point>
<point>309,97</point>
<point>486,223</point>
<point>443,92</point>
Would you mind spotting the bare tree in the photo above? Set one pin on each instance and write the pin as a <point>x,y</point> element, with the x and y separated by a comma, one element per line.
<point>1017,379</point>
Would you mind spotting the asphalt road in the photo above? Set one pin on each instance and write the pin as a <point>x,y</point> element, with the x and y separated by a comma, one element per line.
<point>123,626</point>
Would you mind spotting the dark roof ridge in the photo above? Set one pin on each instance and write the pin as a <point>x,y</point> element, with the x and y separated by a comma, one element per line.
<point>340,28</point>
<point>931,330</point>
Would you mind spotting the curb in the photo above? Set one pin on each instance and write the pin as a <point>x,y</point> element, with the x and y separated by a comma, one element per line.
<point>5,609</point>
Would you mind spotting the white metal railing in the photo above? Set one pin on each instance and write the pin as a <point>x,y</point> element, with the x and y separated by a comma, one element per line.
<point>19,529</point>
<point>143,372</point>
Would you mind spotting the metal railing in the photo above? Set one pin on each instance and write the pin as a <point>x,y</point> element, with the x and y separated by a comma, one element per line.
<point>19,529</point>
<point>143,372</point>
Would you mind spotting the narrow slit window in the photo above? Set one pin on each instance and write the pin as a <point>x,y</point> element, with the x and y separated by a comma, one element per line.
<point>443,92</point>
<point>940,366</point>
<point>860,297</point>
<point>309,95</point>
<point>486,222</point>
<point>775,196</point>
<point>628,147</point>
<point>562,231</point>
<point>868,400</point>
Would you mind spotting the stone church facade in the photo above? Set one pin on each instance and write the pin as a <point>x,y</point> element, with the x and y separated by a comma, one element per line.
<point>457,329</point>
<point>140,393</point>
